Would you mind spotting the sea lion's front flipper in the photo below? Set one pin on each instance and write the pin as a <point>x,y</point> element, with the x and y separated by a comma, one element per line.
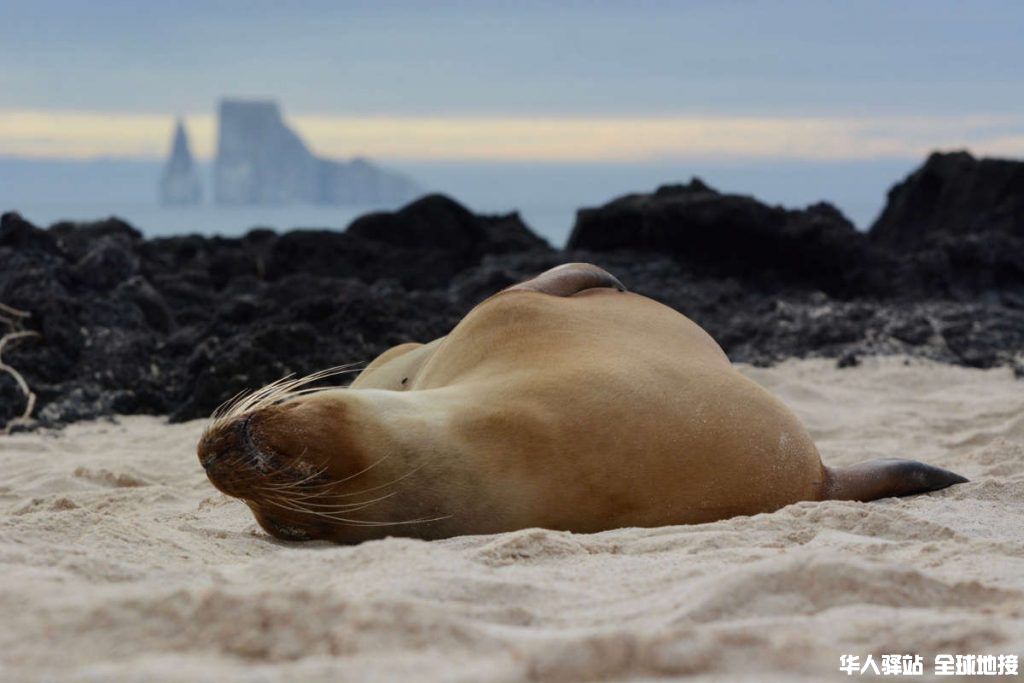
<point>568,279</point>
<point>885,478</point>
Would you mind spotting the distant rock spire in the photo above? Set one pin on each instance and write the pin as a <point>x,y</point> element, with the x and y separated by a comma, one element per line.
<point>260,160</point>
<point>179,183</point>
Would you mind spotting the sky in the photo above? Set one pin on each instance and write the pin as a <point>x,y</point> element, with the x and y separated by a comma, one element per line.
<point>518,81</point>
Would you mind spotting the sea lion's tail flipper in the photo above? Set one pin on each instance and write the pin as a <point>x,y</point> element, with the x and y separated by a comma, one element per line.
<point>884,478</point>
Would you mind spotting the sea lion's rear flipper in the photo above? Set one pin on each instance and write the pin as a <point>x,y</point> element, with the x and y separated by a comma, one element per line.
<point>884,478</point>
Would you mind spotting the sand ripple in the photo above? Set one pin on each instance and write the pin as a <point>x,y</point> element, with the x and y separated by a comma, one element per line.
<point>120,562</point>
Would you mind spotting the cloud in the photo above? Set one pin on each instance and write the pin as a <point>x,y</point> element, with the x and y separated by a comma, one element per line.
<point>78,134</point>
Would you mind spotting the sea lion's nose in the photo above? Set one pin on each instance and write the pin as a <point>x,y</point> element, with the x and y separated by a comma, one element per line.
<point>209,454</point>
<point>208,460</point>
<point>218,446</point>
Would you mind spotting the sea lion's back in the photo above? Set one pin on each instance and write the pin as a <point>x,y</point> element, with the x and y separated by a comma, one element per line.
<point>515,331</point>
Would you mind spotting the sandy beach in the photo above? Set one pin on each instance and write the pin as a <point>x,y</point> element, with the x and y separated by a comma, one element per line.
<point>119,561</point>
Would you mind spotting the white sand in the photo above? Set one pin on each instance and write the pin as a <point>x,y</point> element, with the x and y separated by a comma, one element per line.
<point>118,561</point>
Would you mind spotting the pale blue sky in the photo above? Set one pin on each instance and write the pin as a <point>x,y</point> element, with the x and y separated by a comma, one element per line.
<point>932,57</point>
<point>795,101</point>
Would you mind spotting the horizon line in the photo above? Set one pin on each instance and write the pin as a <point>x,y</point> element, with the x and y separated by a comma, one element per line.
<point>84,135</point>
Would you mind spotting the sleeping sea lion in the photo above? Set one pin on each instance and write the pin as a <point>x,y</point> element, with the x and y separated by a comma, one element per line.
<point>563,402</point>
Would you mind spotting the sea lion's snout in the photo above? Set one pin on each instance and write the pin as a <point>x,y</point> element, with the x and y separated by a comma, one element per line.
<point>254,449</point>
<point>230,456</point>
<point>295,465</point>
<point>216,448</point>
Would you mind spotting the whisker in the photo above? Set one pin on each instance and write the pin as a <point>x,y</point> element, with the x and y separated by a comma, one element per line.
<point>362,471</point>
<point>326,487</point>
<point>390,483</point>
<point>422,520</point>
<point>325,515</point>
<point>299,484</point>
<point>226,405</point>
<point>341,506</point>
<point>275,392</point>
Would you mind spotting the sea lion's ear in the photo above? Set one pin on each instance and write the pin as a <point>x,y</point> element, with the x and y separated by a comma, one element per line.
<point>568,279</point>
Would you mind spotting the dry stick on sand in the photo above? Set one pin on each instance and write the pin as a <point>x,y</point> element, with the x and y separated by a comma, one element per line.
<point>12,318</point>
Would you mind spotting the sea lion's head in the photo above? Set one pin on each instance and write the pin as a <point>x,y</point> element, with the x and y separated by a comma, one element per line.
<point>310,464</point>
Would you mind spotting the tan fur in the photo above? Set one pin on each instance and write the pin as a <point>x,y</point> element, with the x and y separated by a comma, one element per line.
<point>586,411</point>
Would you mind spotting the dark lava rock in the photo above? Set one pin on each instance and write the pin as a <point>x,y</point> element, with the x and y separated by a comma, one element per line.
<point>17,233</point>
<point>438,222</point>
<point>423,245</point>
<point>954,228</point>
<point>914,330</point>
<point>732,235</point>
<point>76,238</point>
<point>979,256</point>
<point>848,360</point>
<point>175,326</point>
<point>965,268</point>
<point>953,194</point>
<point>108,262</point>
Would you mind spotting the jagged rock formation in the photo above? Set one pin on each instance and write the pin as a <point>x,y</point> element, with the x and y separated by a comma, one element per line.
<point>737,236</point>
<point>178,325</point>
<point>262,161</point>
<point>732,235</point>
<point>953,194</point>
<point>955,227</point>
<point>179,183</point>
<point>166,325</point>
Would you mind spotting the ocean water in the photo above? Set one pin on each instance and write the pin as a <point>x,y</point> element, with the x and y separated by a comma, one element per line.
<point>231,221</point>
<point>547,195</point>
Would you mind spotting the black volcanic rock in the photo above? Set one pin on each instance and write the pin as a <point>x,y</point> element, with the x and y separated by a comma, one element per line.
<point>17,233</point>
<point>108,262</point>
<point>961,267</point>
<point>432,222</point>
<point>76,238</point>
<point>175,326</point>
<point>953,194</point>
<point>731,235</point>
<point>322,252</point>
<point>955,228</point>
<point>439,222</point>
<point>424,244</point>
